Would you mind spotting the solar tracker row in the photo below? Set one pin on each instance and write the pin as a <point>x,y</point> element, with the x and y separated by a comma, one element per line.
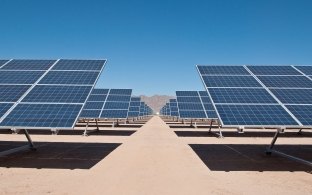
<point>260,95</point>
<point>194,104</point>
<point>107,103</point>
<point>41,96</point>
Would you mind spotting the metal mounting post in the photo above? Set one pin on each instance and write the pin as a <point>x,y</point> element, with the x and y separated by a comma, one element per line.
<point>270,150</point>
<point>29,146</point>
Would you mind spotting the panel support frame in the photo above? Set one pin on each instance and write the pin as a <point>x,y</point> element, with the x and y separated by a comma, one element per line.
<point>270,150</point>
<point>29,146</point>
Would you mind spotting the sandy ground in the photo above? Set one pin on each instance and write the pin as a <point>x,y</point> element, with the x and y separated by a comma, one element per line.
<point>155,159</point>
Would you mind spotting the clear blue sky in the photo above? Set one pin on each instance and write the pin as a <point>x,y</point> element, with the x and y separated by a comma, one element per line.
<point>153,47</point>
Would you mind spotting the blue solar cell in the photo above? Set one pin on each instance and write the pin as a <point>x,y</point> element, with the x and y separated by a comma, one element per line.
<point>93,105</point>
<point>230,81</point>
<point>192,114</point>
<point>211,114</point>
<point>293,96</point>
<point>135,99</point>
<point>203,93</point>
<point>4,107</point>
<point>19,77</point>
<point>120,92</point>
<point>42,116</point>
<point>174,109</point>
<point>114,114</point>
<point>116,105</point>
<point>79,65</point>
<point>190,106</point>
<point>208,107</point>
<point>188,99</point>
<point>302,112</point>
<point>174,113</point>
<point>172,101</point>
<point>133,114</point>
<point>59,94</point>
<point>135,104</point>
<point>273,70</point>
<point>2,62</point>
<point>99,91</point>
<point>90,114</point>
<point>254,115</point>
<point>305,69</point>
<point>28,65</point>
<point>186,93</point>
<point>286,81</point>
<point>11,93</point>
<point>132,109</point>
<point>97,98</point>
<point>70,77</point>
<point>240,95</point>
<point>222,70</point>
<point>205,99</point>
<point>118,98</point>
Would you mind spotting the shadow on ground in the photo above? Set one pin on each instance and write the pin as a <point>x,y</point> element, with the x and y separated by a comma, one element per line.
<point>245,134</point>
<point>244,157</point>
<point>57,155</point>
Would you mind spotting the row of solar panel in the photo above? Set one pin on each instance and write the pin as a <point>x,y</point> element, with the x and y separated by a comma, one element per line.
<point>62,64</point>
<point>45,93</point>
<point>113,103</point>
<point>255,100</point>
<point>190,104</point>
<point>256,70</point>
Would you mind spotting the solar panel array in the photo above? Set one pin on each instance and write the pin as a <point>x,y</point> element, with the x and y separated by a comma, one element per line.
<point>173,105</point>
<point>260,95</point>
<point>107,103</point>
<point>134,109</point>
<point>195,105</point>
<point>45,94</point>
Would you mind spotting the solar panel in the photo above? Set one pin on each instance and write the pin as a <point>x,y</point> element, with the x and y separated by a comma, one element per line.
<point>134,108</point>
<point>302,112</point>
<point>2,62</point>
<point>192,105</point>
<point>70,78</point>
<point>79,65</point>
<point>307,70</point>
<point>94,106</point>
<point>121,92</point>
<point>273,70</point>
<point>12,93</point>
<point>42,102</point>
<point>255,115</point>
<point>90,113</point>
<point>19,77</point>
<point>42,115</point>
<point>293,96</point>
<point>99,91</point>
<point>241,95</point>
<point>230,81</point>
<point>263,99</point>
<point>286,81</point>
<point>4,107</point>
<point>58,94</point>
<point>28,65</point>
<point>222,70</point>
<point>97,98</point>
<point>114,114</point>
<point>107,101</point>
<point>118,98</point>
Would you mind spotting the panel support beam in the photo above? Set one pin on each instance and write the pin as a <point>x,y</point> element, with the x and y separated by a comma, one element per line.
<point>29,146</point>
<point>270,150</point>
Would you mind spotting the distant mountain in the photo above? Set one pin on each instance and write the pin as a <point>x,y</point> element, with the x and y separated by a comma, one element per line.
<point>156,102</point>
